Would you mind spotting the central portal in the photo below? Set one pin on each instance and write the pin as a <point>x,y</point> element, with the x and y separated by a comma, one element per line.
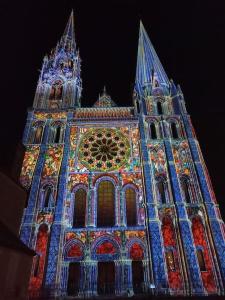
<point>106,278</point>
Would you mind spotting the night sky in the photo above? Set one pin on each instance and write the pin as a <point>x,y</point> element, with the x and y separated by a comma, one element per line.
<point>188,36</point>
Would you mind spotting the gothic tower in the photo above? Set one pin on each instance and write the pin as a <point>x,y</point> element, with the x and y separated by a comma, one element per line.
<point>120,200</point>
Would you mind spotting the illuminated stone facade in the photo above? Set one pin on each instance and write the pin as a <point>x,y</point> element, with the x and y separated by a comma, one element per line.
<point>120,200</point>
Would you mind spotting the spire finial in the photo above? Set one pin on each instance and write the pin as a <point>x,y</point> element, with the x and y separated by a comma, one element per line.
<point>148,62</point>
<point>68,38</point>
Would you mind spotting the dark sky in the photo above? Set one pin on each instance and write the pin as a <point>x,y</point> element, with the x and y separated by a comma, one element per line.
<point>189,37</point>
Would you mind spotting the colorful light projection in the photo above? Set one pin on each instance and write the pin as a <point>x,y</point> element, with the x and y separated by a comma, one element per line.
<point>201,244</point>
<point>106,248</point>
<point>181,158</point>
<point>158,159</point>
<point>136,252</point>
<point>43,115</point>
<point>39,261</point>
<point>73,146</point>
<point>75,251</point>
<point>29,163</point>
<point>171,253</point>
<point>53,159</point>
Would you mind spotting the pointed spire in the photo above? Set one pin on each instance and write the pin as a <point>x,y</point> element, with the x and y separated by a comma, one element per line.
<point>68,37</point>
<point>149,68</point>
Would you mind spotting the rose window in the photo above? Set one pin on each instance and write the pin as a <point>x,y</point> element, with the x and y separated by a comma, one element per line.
<point>104,149</point>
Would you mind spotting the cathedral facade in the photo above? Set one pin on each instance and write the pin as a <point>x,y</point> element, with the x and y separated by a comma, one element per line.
<point>120,200</point>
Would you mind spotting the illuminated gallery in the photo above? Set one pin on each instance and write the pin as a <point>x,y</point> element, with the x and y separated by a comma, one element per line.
<point>120,200</point>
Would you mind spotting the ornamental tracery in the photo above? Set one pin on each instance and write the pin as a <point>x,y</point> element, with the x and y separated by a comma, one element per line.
<point>104,149</point>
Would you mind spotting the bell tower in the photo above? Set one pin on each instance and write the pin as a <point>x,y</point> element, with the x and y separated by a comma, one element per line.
<point>59,85</point>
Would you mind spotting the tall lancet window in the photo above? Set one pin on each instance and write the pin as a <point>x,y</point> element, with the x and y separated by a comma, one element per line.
<point>106,204</point>
<point>47,196</point>
<point>174,130</point>
<point>131,210</point>
<point>159,108</point>
<point>37,134</point>
<point>79,208</point>
<point>161,190</point>
<point>153,131</point>
<point>186,188</point>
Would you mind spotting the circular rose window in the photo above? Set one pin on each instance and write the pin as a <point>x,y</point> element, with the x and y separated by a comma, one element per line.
<point>104,149</point>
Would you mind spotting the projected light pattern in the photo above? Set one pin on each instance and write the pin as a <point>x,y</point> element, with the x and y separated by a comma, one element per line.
<point>120,198</point>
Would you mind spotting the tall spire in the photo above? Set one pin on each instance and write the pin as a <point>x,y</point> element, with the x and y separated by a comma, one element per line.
<point>68,37</point>
<point>149,68</point>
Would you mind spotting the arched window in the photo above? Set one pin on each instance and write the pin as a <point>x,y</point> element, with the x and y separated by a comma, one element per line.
<point>106,203</point>
<point>37,135</point>
<point>185,185</point>
<point>201,260</point>
<point>138,106</point>
<point>174,130</point>
<point>161,191</point>
<point>57,134</point>
<point>153,131</point>
<point>79,208</point>
<point>131,211</point>
<point>47,195</point>
<point>159,108</point>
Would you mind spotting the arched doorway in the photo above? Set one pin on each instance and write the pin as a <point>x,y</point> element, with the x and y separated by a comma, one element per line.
<point>73,285</point>
<point>106,278</point>
<point>137,276</point>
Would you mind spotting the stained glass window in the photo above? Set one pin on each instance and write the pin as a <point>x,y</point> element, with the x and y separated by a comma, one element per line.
<point>79,208</point>
<point>130,196</point>
<point>106,203</point>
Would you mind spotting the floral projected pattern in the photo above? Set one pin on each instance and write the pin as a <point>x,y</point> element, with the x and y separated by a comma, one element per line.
<point>52,161</point>
<point>106,248</point>
<point>104,149</point>
<point>29,163</point>
<point>136,252</point>
<point>200,240</point>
